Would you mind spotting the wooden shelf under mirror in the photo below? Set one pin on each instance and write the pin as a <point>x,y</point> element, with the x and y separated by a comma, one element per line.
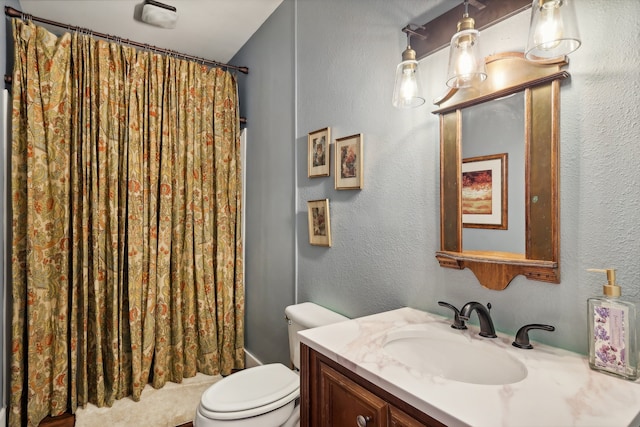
<point>537,207</point>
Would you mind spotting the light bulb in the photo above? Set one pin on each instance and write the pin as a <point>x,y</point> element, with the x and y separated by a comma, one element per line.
<point>406,93</point>
<point>408,86</point>
<point>465,64</point>
<point>549,31</point>
<point>553,30</point>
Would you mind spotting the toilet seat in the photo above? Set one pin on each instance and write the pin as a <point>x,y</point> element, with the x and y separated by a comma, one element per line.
<point>251,392</point>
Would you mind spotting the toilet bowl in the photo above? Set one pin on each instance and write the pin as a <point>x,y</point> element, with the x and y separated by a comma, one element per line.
<point>267,395</point>
<point>264,395</point>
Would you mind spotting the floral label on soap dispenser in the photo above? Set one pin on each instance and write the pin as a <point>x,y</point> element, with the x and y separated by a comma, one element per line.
<point>609,336</point>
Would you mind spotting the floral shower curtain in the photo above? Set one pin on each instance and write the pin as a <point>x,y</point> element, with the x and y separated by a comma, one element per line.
<point>127,257</point>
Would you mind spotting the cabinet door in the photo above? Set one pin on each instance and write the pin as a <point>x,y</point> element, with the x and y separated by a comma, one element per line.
<point>401,419</point>
<point>344,403</point>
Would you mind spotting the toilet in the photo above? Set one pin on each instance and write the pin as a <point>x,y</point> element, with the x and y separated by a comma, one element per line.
<point>267,395</point>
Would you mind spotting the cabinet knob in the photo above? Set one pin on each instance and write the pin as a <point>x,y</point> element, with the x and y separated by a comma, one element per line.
<point>362,421</point>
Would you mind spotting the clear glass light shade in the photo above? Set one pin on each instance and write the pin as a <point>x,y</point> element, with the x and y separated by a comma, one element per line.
<point>553,31</point>
<point>407,90</point>
<point>466,63</point>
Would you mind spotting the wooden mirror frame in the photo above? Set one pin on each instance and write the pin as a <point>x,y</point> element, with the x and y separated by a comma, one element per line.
<point>508,73</point>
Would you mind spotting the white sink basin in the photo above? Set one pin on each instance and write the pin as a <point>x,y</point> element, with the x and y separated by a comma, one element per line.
<point>453,355</point>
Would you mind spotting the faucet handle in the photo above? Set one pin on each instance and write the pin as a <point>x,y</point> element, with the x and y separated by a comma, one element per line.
<point>522,336</point>
<point>458,323</point>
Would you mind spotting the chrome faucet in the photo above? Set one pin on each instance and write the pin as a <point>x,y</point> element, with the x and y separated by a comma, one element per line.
<point>486,324</point>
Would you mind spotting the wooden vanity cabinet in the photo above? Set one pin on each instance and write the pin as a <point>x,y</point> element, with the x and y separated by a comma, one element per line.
<point>397,418</point>
<point>333,396</point>
<point>345,403</point>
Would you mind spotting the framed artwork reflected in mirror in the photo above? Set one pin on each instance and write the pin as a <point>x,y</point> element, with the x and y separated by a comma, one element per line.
<point>484,192</point>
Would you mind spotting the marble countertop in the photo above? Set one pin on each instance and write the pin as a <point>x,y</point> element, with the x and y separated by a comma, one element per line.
<point>559,390</point>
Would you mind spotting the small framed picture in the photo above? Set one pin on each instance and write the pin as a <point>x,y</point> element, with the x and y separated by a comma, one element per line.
<point>319,160</point>
<point>484,192</point>
<point>319,222</point>
<point>349,162</point>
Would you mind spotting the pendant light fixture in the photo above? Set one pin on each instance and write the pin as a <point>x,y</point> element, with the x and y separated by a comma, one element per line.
<point>407,91</point>
<point>553,31</point>
<point>466,63</point>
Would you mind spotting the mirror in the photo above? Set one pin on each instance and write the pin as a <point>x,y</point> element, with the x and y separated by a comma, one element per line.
<point>499,212</point>
<point>481,138</point>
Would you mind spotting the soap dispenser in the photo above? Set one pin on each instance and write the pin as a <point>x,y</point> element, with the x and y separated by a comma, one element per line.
<point>612,331</point>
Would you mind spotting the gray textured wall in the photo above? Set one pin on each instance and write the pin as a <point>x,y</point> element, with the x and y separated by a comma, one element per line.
<point>267,101</point>
<point>385,236</point>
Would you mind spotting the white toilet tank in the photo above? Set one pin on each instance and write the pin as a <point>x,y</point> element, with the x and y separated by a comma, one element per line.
<point>303,316</point>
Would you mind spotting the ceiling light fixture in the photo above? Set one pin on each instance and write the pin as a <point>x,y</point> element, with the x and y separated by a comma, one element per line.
<point>466,63</point>
<point>407,91</point>
<point>553,31</point>
<point>159,14</point>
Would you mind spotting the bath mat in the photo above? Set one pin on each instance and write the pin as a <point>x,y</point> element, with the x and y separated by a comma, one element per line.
<point>171,406</point>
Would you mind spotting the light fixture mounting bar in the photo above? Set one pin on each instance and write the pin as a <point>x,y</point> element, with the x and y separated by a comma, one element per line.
<point>477,4</point>
<point>438,31</point>
<point>411,30</point>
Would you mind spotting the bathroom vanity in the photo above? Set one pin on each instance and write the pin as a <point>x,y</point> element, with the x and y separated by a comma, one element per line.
<point>338,397</point>
<point>407,367</point>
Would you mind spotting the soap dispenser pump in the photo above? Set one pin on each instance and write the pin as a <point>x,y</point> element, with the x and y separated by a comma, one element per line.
<point>613,347</point>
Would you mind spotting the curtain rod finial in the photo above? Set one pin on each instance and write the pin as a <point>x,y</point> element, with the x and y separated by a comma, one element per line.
<point>11,12</point>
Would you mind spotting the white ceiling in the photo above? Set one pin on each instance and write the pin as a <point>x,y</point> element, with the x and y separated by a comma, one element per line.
<point>210,29</point>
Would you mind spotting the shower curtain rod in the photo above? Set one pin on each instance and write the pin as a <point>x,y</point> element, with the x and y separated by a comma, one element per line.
<point>14,13</point>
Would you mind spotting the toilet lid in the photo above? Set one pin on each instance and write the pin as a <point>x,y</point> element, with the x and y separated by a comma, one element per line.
<point>251,388</point>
